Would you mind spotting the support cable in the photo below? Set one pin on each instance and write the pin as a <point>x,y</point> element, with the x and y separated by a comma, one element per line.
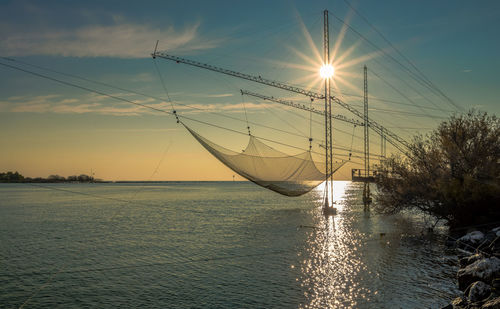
<point>310,124</point>
<point>422,75</point>
<point>136,103</point>
<point>352,141</point>
<point>157,109</point>
<point>127,90</point>
<point>246,116</point>
<point>165,89</point>
<point>412,74</point>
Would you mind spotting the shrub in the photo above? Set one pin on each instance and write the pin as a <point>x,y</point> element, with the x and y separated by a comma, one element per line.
<point>451,174</point>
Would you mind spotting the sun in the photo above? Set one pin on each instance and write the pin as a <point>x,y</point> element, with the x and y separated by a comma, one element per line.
<point>326,71</point>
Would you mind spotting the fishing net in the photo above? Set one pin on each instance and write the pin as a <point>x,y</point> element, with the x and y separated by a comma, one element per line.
<point>272,169</point>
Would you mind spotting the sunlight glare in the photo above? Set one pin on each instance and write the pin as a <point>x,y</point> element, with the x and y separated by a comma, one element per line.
<point>326,71</point>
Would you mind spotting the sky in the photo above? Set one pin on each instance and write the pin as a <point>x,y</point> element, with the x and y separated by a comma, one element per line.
<point>48,127</point>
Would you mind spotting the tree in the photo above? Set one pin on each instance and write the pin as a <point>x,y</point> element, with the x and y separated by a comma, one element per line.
<point>453,173</point>
<point>11,177</point>
<point>56,178</point>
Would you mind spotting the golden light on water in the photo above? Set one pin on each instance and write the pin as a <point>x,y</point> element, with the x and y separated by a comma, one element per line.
<point>332,268</point>
<point>339,191</point>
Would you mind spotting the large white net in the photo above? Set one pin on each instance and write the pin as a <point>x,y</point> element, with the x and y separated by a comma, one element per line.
<point>272,169</point>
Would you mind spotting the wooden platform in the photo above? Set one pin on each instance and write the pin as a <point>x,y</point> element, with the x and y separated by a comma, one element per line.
<point>358,175</point>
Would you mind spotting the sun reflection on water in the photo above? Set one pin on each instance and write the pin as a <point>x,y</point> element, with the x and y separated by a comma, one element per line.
<point>332,267</point>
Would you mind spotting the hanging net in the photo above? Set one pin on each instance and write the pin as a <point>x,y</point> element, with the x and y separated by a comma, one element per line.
<point>272,169</point>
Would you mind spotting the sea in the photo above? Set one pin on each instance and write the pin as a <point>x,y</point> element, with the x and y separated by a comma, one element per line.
<point>213,245</point>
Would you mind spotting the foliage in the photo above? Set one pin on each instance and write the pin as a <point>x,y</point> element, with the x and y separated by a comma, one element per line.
<point>16,177</point>
<point>452,174</point>
<point>11,177</point>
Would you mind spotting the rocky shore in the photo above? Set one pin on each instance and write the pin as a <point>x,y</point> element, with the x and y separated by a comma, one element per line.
<point>479,270</point>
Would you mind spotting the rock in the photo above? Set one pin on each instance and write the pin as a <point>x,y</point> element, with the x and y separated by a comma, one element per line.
<point>496,231</point>
<point>494,245</point>
<point>458,302</point>
<point>481,270</point>
<point>471,240</point>
<point>492,304</point>
<point>496,283</point>
<point>490,243</point>
<point>463,262</point>
<point>478,291</point>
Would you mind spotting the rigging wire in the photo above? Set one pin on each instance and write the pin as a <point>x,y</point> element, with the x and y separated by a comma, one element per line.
<point>419,93</point>
<point>134,92</point>
<point>437,107</point>
<point>140,104</point>
<point>285,121</point>
<point>157,168</point>
<point>395,89</point>
<point>165,88</point>
<point>352,141</point>
<point>310,124</point>
<point>154,108</point>
<point>372,98</point>
<point>402,55</point>
<point>413,75</point>
<point>145,95</point>
<point>402,79</point>
<point>246,116</point>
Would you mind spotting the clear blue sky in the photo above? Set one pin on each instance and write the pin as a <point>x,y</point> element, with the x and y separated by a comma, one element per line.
<point>47,128</point>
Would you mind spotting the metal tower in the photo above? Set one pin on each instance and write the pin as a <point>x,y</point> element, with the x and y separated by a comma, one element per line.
<point>366,189</point>
<point>328,208</point>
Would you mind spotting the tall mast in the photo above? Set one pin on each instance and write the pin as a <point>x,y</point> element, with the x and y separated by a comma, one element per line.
<point>366,186</point>
<point>366,135</point>
<point>328,119</point>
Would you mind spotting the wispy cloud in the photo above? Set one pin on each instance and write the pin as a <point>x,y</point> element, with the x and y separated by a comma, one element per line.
<point>60,105</point>
<point>467,70</point>
<point>99,104</point>
<point>122,39</point>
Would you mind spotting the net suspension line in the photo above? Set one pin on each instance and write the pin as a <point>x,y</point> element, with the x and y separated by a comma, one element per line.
<point>310,124</point>
<point>352,141</point>
<point>246,116</point>
<point>174,112</point>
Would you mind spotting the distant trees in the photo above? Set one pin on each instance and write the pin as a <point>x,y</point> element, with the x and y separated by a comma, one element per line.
<point>11,177</point>
<point>452,174</point>
<point>56,178</point>
<point>16,177</point>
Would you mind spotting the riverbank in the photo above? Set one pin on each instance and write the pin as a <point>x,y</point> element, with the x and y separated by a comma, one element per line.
<point>478,276</point>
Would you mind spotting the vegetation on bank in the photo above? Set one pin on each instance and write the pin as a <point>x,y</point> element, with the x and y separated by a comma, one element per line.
<point>16,177</point>
<point>453,173</point>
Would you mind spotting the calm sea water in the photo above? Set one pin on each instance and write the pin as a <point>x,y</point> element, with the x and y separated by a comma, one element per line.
<point>212,245</point>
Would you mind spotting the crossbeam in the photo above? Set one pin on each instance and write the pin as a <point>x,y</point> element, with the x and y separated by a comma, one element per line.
<point>300,106</point>
<point>395,140</point>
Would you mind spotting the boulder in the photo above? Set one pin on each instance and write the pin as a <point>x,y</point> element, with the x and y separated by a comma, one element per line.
<point>458,302</point>
<point>490,243</point>
<point>493,303</point>
<point>496,231</point>
<point>494,245</point>
<point>478,291</point>
<point>481,270</point>
<point>471,240</point>
<point>495,284</point>
<point>463,262</point>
